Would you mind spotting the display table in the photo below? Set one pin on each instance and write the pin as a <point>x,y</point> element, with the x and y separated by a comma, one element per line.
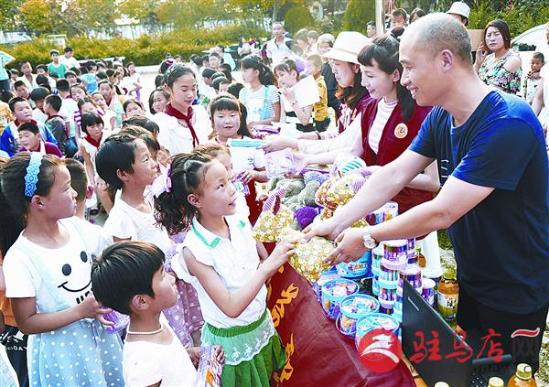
<point>317,353</point>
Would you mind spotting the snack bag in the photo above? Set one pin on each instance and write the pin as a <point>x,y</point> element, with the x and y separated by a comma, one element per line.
<point>309,256</point>
<point>273,219</point>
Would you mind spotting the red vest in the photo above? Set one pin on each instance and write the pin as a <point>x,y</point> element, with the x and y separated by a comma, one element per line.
<point>395,139</point>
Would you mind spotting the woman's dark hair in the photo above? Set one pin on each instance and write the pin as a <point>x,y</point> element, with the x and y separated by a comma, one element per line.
<point>351,95</point>
<point>84,101</point>
<point>217,82</point>
<point>266,76</point>
<point>175,72</point>
<point>90,119</point>
<point>11,224</point>
<point>288,65</point>
<point>130,101</point>
<point>187,172</point>
<point>230,103</point>
<point>503,29</point>
<point>140,132</point>
<point>235,88</point>
<point>151,98</point>
<point>384,51</point>
<point>124,270</point>
<point>105,82</point>
<point>143,122</point>
<point>225,68</point>
<point>13,181</point>
<point>101,75</point>
<point>117,153</point>
<point>158,80</point>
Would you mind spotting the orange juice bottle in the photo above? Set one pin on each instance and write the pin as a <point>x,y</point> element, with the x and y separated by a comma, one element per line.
<point>523,377</point>
<point>447,298</point>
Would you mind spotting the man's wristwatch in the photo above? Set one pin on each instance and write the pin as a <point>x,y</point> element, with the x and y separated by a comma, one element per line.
<point>368,240</point>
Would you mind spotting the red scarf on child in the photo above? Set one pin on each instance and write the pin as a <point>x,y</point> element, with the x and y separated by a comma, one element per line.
<point>18,123</point>
<point>94,142</point>
<point>188,118</point>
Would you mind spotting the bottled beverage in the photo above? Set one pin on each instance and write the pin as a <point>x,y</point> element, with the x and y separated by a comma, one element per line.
<point>523,377</point>
<point>495,382</point>
<point>420,257</point>
<point>447,298</point>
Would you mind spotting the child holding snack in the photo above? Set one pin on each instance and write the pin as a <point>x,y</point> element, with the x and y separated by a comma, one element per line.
<point>219,258</point>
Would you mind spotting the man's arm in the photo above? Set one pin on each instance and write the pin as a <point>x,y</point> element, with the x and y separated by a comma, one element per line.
<point>537,102</point>
<point>455,199</point>
<point>383,185</point>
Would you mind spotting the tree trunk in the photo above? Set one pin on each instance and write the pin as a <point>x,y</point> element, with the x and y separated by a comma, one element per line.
<point>276,7</point>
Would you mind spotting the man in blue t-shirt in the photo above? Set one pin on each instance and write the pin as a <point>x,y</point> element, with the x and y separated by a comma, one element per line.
<point>494,200</point>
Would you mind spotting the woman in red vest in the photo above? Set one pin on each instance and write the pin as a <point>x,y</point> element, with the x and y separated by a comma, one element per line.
<point>390,121</point>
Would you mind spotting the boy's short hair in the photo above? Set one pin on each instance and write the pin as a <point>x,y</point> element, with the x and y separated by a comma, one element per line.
<point>539,55</point>
<point>14,101</point>
<point>29,127</point>
<point>219,81</point>
<point>19,83</point>
<point>79,179</point>
<point>39,94</point>
<point>140,132</point>
<point>54,51</point>
<point>63,85</point>
<point>400,12</point>
<point>143,122</point>
<point>70,72</point>
<point>42,67</point>
<point>125,270</point>
<point>68,49</point>
<point>207,73</point>
<point>315,59</point>
<point>54,101</point>
<point>14,72</point>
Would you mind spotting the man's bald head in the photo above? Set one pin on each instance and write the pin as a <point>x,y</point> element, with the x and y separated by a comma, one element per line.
<point>439,31</point>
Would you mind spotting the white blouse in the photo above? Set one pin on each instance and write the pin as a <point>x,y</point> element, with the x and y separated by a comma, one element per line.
<point>178,139</point>
<point>235,260</point>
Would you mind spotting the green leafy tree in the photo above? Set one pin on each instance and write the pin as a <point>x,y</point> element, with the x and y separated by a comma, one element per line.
<point>10,17</point>
<point>358,14</point>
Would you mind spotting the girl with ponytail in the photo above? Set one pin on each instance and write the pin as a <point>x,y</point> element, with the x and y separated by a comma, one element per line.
<point>260,96</point>
<point>219,258</point>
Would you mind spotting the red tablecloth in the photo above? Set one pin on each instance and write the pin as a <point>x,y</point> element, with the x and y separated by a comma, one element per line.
<point>318,355</point>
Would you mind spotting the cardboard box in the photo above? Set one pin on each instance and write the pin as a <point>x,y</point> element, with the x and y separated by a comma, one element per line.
<point>476,38</point>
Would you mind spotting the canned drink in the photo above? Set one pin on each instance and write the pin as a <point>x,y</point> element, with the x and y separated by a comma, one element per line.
<point>428,291</point>
<point>413,275</point>
<point>397,265</point>
<point>377,255</point>
<point>396,249</point>
<point>387,295</point>
<point>388,274</point>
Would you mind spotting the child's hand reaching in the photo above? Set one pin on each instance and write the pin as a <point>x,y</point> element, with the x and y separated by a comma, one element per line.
<point>279,256</point>
<point>90,308</point>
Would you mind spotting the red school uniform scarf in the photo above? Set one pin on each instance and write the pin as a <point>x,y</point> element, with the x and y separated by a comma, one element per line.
<point>187,118</point>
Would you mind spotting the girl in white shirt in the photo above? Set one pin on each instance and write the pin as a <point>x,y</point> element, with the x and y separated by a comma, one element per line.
<point>47,274</point>
<point>220,259</point>
<point>182,125</point>
<point>248,163</point>
<point>127,166</point>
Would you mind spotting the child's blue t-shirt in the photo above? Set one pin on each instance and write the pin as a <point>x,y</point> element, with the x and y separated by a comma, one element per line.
<point>91,82</point>
<point>501,245</point>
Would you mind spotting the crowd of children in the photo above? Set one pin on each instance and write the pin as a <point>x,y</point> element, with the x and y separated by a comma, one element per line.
<point>176,252</point>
